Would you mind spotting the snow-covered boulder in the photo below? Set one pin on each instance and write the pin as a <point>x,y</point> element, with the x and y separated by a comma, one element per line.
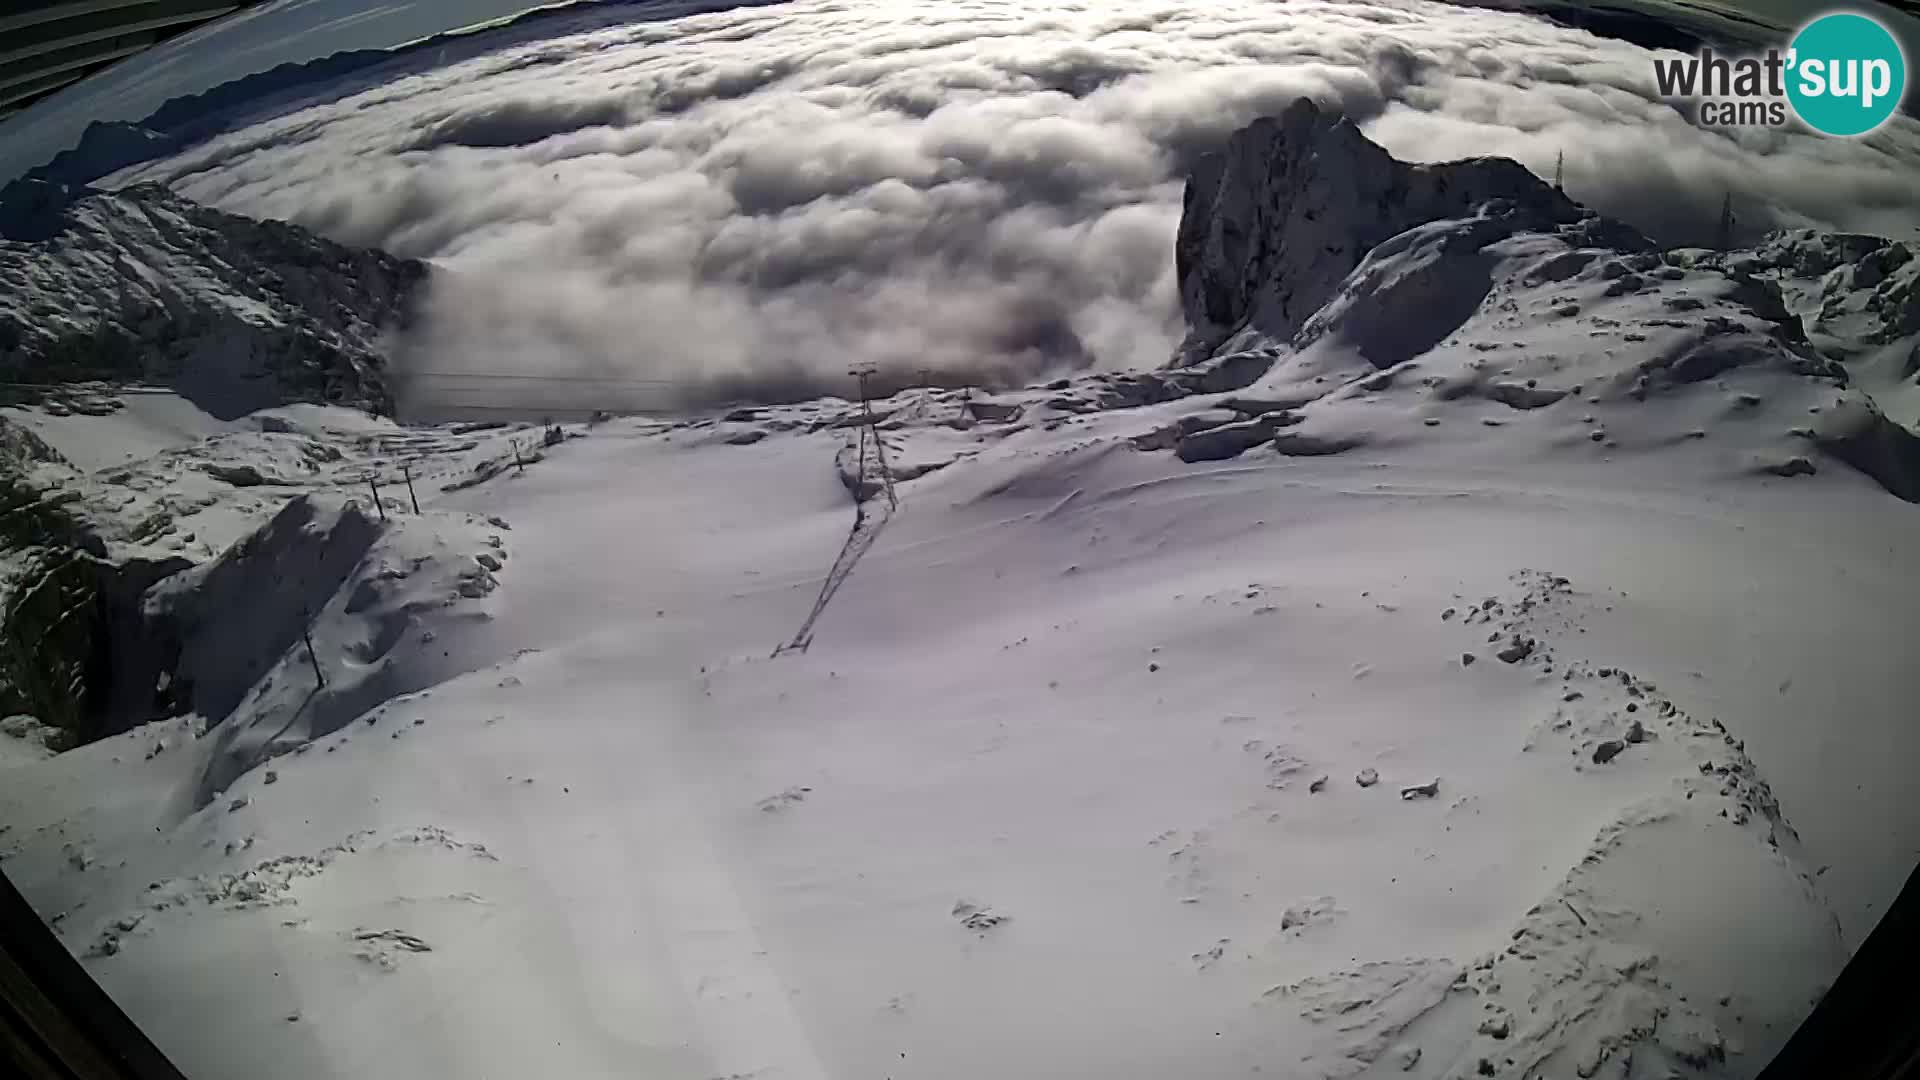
<point>25,740</point>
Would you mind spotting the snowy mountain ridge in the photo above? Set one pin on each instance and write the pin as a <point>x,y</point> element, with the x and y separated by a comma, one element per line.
<point>236,315</point>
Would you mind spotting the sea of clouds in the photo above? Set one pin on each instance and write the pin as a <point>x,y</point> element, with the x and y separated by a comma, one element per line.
<point>747,203</point>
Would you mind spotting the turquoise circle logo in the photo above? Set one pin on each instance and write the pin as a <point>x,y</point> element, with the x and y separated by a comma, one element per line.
<point>1846,74</point>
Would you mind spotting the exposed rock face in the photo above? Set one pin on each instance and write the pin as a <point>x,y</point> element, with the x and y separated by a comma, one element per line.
<point>235,314</point>
<point>1869,286</point>
<point>1272,223</point>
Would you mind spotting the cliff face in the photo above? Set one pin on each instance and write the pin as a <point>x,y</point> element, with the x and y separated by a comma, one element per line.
<point>1275,220</point>
<point>235,314</point>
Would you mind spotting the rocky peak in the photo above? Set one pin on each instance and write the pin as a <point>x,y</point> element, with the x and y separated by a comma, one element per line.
<point>1274,221</point>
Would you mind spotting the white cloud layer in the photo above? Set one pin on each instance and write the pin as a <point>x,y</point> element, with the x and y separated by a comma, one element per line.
<point>751,201</point>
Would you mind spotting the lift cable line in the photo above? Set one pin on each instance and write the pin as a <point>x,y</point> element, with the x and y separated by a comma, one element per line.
<point>866,526</point>
<point>524,377</point>
<point>869,423</point>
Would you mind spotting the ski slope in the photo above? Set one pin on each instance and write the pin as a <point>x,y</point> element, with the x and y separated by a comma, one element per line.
<point>1041,797</point>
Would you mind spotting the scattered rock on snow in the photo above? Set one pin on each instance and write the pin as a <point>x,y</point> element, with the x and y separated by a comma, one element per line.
<point>1367,777</point>
<point>1607,751</point>
<point>398,937</point>
<point>1517,651</point>
<point>977,917</point>
<point>773,804</point>
<point>1299,916</point>
<point>382,948</point>
<point>1421,791</point>
<point>1210,957</point>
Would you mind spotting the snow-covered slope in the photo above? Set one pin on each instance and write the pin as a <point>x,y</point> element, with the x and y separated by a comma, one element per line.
<point>1076,778</point>
<point>1500,669</point>
<point>235,314</point>
<point>85,539</point>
